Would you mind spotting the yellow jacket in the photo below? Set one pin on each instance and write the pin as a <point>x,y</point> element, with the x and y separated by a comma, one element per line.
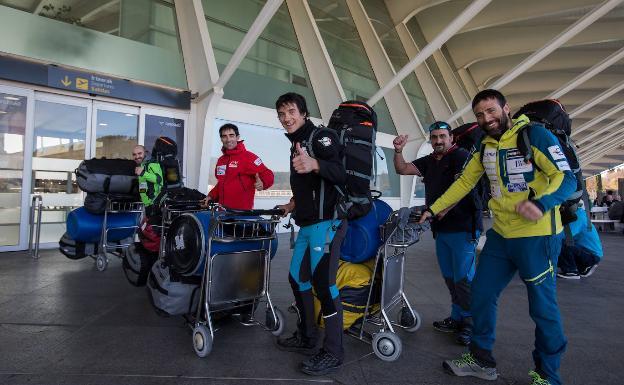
<point>512,181</point>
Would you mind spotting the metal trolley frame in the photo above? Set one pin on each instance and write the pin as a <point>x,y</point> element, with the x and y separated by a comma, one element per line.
<point>117,249</point>
<point>217,291</point>
<point>388,275</point>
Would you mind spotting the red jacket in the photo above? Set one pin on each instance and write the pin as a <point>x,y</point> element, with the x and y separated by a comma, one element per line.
<point>236,175</point>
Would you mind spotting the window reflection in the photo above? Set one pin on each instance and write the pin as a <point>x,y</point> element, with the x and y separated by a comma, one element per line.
<point>116,134</point>
<point>60,130</point>
<point>387,180</point>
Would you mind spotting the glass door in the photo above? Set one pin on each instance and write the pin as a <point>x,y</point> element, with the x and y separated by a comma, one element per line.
<point>15,131</point>
<point>156,123</point>
<point>60,144</point>
<point>115,130</point>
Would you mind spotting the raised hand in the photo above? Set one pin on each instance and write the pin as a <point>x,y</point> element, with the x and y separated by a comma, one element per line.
<point>302,162</point>
<point>399,142</point>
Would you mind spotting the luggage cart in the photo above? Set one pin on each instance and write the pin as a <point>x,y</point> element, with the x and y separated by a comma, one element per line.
<point>219,291</point>
<point>388,276</point>
<point>119,248</point>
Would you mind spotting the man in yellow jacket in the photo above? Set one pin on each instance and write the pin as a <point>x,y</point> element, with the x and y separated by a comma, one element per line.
<point>526,235</point>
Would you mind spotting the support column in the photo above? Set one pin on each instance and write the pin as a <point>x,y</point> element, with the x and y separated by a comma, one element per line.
<point>202,74</point>
<point>325,83</point>
<point>401,110</point>
<point>439,106</point>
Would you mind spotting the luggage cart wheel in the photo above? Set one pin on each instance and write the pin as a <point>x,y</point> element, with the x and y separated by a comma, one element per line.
<point>410,322</point>
<point>101,262</point>
<point>278,324</point>
<point>202,340</point>
<point>387,346</point>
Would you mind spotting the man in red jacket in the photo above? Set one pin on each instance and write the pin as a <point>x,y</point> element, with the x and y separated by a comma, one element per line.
<point>239,173</point>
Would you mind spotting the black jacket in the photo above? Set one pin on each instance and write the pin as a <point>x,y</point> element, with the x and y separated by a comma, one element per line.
<point>308,189</point>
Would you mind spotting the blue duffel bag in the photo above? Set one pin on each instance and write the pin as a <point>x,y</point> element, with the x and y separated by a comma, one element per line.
<point>86,227</point>
<point>364,235</point>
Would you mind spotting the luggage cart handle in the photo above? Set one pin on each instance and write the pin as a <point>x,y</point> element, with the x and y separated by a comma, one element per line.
<point>255,212</point>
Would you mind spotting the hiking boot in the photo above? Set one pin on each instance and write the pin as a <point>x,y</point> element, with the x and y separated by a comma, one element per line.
<point>296,343</point>
<point>568,275</point>
<point>589,270</point>
<point>537,379</point>
<point>447,325</point>
<point>464,334</point>
<point>322,363</point>
<point>467,365</point>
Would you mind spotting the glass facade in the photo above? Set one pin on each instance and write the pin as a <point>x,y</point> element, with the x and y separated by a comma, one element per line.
<point>273,66</point>
<point>396,53</point>
<point>135,39</point>
<point>348,56</point>
<point>387,181</point>
<point>12,134</point>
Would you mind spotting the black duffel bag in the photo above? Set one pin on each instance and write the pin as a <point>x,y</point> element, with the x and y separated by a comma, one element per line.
<point>107,176</point>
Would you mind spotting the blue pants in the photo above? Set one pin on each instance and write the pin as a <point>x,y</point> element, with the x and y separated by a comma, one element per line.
<point>535,259</point>
<point>576,258</point>
<point>315,264</point>
<point>456,257</point>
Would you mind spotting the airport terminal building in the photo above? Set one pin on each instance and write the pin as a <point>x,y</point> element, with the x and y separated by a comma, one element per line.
<point>92,78</point>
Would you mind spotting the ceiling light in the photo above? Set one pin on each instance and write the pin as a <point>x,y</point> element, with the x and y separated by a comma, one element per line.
<point>103,124</point>
<point>131,115</point>
<point>11,98</point>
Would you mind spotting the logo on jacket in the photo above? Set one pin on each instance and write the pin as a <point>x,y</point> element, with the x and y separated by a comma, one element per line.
<point>325,141</point>
<point>233,164</point>
<point>258,161</point>
<point>221,170</point>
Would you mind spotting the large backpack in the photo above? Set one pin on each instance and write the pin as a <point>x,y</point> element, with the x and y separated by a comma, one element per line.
<point>164,152</point>
<point>552,114</point>
<point>468,136</point>
<point>355,124</point>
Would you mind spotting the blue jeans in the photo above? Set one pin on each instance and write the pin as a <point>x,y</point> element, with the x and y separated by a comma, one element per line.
<point>535,259</point>
<point>456,257</point>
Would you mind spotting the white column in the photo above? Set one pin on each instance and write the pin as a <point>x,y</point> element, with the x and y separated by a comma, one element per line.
<point>439,106</point>
<point>202,74</point>
<point>401,110</point>
<point>325,82</point>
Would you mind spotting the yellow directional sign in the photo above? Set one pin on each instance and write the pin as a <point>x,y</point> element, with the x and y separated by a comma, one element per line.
<point>82,84</point>
<point>66,82</point>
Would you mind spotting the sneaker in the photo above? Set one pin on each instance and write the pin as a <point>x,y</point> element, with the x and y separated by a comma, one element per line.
<point>296,343</point>
<point>322,363</point>
<point>589,270</point>
<point>447,325</point>
<point>537,379</point>
<point>464,335</point>
<point>468,366</point>
<point>568,275</point>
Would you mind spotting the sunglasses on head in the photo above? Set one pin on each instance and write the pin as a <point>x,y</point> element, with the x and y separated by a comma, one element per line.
<point>439,126</point>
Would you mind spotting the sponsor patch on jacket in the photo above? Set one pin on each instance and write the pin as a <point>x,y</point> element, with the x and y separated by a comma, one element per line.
<point>325,141</point>
<point>563,165</point>
<point>517,178</point>
<point>258,161</point>
<point>556,153</point>
<point>517,187</point>
<point>233,164</point>
<point>221,170</point>
<point>515,162</point>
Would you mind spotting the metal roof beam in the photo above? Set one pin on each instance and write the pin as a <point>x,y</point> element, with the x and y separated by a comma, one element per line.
<point>264,17</point>
<point>591,72</point>
<point>598,148</point>
<point>601,130</point>
<point>451,29</point>
<point>597,99</point>
<point>598,119</point>
<point>552,45</point>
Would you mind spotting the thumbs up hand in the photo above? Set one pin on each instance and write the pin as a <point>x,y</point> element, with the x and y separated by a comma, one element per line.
<point>302,162</point>
<point>258,185</point>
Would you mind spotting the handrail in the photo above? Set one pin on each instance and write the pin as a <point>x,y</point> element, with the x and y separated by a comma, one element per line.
<point>36,204</point>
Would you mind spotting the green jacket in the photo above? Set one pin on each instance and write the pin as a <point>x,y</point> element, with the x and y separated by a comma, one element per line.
<point>150,182</point>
